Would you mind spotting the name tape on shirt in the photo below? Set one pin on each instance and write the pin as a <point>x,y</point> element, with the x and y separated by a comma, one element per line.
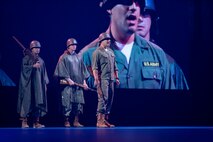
<point>151,64</point>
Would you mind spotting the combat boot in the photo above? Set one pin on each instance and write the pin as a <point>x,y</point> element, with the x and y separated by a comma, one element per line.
<point>36,124</point>
<point>66,122</point>
<point>107,122</point>
<point>24,123</point>
<point>101,121</point>
<point>76,122</point>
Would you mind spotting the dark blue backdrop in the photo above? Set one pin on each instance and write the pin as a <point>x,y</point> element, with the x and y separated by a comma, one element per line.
<point>185,34</point>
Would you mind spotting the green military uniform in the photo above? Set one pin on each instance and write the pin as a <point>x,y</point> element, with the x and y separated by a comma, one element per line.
<point>148,67</point>
<point>32,97</point>
<point>104,62</point>
<point>71,66</point>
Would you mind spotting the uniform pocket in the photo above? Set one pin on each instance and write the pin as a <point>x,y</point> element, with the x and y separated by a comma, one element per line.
<point>151,73</point>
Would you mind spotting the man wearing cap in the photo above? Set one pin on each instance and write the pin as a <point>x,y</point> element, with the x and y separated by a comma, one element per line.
<point>32,97</point>
<point>141,64</point>
<point>105,73</point>
<point>71,68</point>
<point>147,28</point>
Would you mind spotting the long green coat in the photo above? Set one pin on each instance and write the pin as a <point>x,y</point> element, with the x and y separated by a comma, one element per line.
<point>71,66</point>
<point>32,88</point>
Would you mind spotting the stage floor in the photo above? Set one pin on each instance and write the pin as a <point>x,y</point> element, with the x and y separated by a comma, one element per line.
<point>117,134</point>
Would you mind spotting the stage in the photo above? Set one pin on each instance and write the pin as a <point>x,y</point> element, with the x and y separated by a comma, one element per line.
<point>117,134</point>
<point>140,115</point>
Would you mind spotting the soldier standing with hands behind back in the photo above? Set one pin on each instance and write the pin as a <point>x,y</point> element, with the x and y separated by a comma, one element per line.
<point>105,72</point>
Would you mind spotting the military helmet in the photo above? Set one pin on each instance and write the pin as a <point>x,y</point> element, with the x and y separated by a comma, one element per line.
<point>148,6</point>
<point>145,5</point>
<point>109,4</point>
<point>71,41</point>
<point>35,44</point>
<point>103,36</point>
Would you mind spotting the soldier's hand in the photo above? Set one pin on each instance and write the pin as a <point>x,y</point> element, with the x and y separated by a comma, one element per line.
<point>96,82</point>
<point>117,81</point>
<point>70,82</point>
<point>85,86</point>
<point>37,65</point>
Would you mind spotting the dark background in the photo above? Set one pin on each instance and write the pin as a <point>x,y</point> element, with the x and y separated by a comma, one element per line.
<point>185,33</point>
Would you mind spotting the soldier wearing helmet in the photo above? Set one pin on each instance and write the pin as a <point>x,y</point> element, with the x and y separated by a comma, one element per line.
<point>35,44</point>
<point>105,71</point>
<point>71,41</point>
<point>104,36</point>
<point>147,24</point>
<point>32,98</point>
<point>148,29</point>
<point>71,45</point>
<point>35,49</point>
<point>71,69</point>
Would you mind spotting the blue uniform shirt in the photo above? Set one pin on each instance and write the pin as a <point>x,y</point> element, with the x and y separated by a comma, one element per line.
<point>148,67</point>
<point>87,59</point>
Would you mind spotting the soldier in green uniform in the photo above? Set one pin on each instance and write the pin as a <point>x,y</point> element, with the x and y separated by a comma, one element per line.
<point>72,70</point>
<point>105,73</point>
<point>147,28</point>
<point>32,98</point>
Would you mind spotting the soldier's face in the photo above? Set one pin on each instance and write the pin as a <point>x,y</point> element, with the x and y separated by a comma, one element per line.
<point>72,48</point>
<point>124,18</point>
<point>106,42</point>
<point>36,50</point>
<point>144,25</point>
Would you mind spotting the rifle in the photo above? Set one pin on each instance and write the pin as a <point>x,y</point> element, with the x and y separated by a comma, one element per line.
<point>26,51</point>
<point>64,82</point>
